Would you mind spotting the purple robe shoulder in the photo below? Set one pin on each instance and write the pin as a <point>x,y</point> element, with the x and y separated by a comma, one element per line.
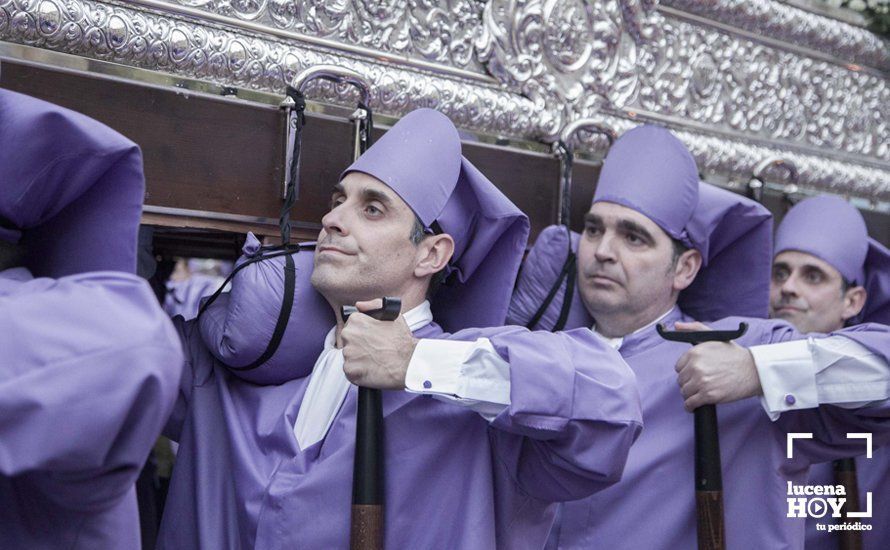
<point>89,376</point>
<point>262,333</point>
<point>658,483</point>
<point>540,271</point>
<point>71,187</point>
<point>242,481</point>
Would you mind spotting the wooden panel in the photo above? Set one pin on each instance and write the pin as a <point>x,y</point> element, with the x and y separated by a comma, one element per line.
<point>225,156</point>
<point>218,156</point>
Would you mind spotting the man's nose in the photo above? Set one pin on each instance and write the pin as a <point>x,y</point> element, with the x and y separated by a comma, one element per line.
<point>789,286</point>
<point>605,251</point>
<point>334,221</point>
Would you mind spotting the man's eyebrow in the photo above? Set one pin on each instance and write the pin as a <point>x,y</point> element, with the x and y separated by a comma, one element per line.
<point>781,265</point>
<point>630,226</point>
<point>592,218</point>
<point>813,267</point>
<point>369,195</point>
<point>338,188</point>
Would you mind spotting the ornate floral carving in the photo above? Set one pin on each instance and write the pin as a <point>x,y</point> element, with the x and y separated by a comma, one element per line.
<point>441,32</point>
<point>791,24</point>
<point>736,159</point>
<point>723,81</point>
<point>640,60</point>
<point>155,41</point>
<point>573,53</point>
<point>557,60</point>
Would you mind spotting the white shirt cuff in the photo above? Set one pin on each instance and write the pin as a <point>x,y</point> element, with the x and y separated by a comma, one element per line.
<point>787,376</point>
<point>470,374</point>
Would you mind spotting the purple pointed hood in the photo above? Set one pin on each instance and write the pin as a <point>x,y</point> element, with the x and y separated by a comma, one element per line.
<point>420,159</point>
<point>650,171</point>
<point>71,189</point>
<point>833,230</point>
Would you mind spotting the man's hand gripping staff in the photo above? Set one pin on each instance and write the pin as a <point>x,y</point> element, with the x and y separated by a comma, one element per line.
<point>362,364</point>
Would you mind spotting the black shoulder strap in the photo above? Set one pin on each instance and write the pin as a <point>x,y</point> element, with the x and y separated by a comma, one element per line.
<point>572,274</point>
<point>568,267</point>
<point>568,270</point>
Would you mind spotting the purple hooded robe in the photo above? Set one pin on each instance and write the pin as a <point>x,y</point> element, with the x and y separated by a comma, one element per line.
<point>90,362</point>
<point>653,506</point>
<point>844,243</point>
<point>453,480</point>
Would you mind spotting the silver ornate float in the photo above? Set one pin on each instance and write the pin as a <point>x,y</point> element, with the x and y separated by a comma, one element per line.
<point>740,81</point>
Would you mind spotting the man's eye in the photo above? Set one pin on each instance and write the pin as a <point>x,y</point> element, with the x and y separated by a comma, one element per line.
<point>373,210</point>
<point>336,201</point>
<point>780,275</point>
<point>634,239</point>
<point>814,277</point>
<point>591,230</point>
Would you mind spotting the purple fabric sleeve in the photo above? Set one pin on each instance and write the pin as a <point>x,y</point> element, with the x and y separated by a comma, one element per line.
<point>574,407</point>
<point>829,424</point>
<point>88,378</point>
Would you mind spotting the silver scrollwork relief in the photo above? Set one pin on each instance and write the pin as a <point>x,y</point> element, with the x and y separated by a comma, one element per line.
<point>736,159</point>
<point>680,70</point>
<point>743,86</point>
<point>568,56</point>
<point>155,41</point>
<point>434,31</point>
<point>555,60</point>
<point>794,25</point>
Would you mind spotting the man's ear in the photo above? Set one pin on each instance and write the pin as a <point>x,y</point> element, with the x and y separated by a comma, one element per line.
<point>686,269</point>
<point>433,254</point>
<point>854,301</point>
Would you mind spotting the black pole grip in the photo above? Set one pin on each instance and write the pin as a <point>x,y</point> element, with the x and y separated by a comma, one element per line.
<point>367,473</point>
<point>708,475</point>
<point>368,469</point>
<point>710,522</point>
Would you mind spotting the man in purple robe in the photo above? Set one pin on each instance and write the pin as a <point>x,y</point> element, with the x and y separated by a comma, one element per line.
<point>479,444</point>
<point>90,362</point>
<point>661,247</point>
<point>827,274</point>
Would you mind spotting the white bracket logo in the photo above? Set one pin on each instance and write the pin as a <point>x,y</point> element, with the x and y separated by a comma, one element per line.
<point>801,507</point>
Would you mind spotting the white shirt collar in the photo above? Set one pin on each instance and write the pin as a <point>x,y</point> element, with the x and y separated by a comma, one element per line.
<point>615,343</point>
<point>416,318</point>
<point>328,384</point>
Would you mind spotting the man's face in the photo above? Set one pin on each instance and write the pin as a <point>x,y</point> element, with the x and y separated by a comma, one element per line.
<point>625,264</point>
<point>364,249</point>
<point>809,293</point>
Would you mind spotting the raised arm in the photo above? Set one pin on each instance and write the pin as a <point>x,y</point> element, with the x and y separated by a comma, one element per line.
<point>89,375</point>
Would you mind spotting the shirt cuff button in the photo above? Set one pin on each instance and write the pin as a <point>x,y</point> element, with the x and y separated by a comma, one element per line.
<point>790,399</point>
<point>427,384</point>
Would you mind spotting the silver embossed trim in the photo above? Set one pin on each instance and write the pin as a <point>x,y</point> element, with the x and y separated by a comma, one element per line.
<point>158,41</point>
<point>162,43</point>
<point>736,159</point>
<point>794,25</point>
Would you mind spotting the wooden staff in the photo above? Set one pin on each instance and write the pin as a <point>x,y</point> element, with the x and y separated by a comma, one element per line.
<point>845,468</point>
<point>845,474</point>
<point>708,475</point>
<point>366,526</point>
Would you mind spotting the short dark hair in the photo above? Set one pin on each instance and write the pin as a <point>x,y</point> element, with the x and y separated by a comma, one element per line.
<point>418,234</point>
<point>846,285</point>
<point>679,250</point>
